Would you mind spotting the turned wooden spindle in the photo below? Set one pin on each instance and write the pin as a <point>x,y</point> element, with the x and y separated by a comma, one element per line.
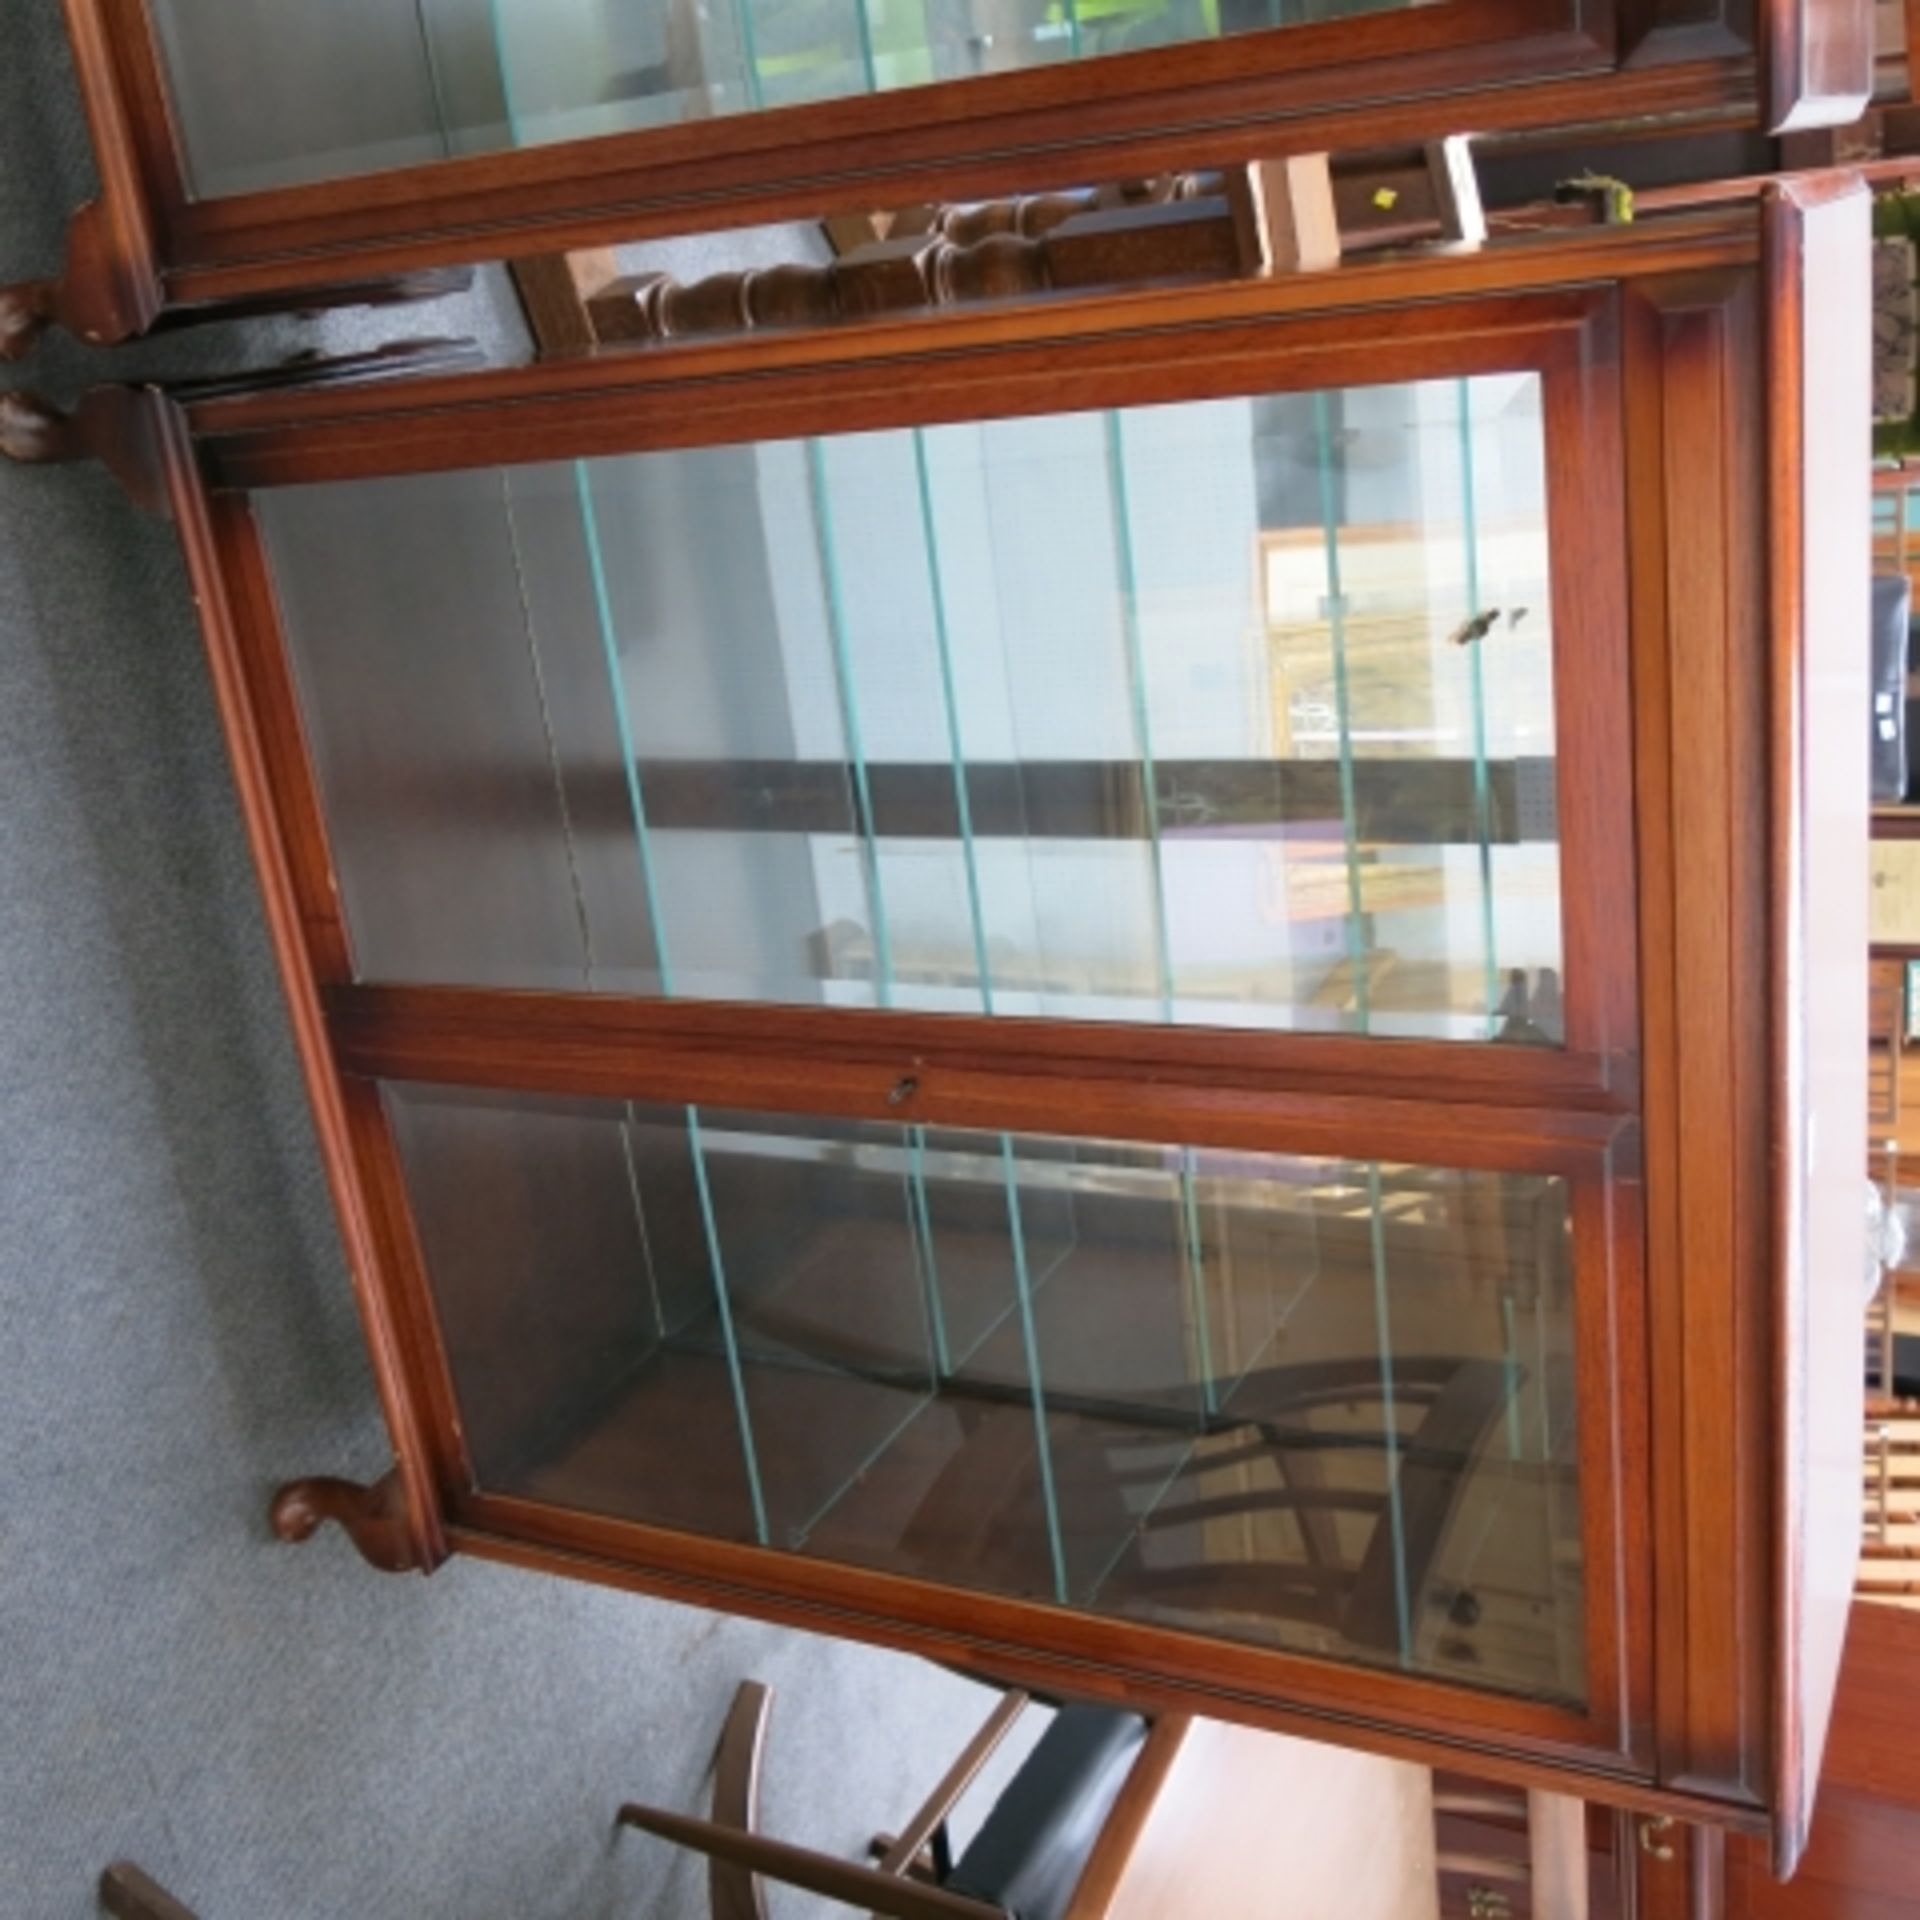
<point>1281,216</point>
<point>892,276</point>
<point>1002,252</point>
<point>1032,215</point>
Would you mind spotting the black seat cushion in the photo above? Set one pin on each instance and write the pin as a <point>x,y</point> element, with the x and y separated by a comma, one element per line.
<point>1030,1854</point>
<point>1892,629</point>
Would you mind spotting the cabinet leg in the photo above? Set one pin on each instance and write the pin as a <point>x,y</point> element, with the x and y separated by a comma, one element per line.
<point>374,1518</point>
<point>118,426</point>
<point>108,291</point>
<point>26,312</point>
<point>35,433</point>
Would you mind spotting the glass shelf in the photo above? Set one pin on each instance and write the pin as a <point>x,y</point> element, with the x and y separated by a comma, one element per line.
<point>280,95</point>
<point>1312,1404</point>
<point>1237,713</point>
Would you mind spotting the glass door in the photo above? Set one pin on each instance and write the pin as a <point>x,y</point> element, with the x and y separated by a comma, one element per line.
<point>1321,1405</point>
<point>995,1006</point>
<point>1227,713</point>
<point>272,96</point>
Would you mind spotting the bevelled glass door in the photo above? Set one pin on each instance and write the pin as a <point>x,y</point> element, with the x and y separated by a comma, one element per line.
<point>361,86</point>
<point>1230,713</point>
<point>1021,1008</point>
<point>1322,1405</point>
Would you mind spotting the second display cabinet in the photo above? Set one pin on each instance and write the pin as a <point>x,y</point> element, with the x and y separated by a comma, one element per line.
<point>1141,992</point>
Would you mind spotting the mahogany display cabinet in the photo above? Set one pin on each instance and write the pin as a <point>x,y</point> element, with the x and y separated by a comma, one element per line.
<point>254,153</point>
<point>1162,995</point>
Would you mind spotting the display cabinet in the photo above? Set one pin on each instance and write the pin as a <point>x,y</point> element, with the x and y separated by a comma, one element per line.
<point>1162,994</point>
<point>256,152</point>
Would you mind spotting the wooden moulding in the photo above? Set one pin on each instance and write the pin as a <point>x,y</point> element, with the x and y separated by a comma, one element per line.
<point>1693,379</point>
<point>599,1043</point>
<point>1022,357</point>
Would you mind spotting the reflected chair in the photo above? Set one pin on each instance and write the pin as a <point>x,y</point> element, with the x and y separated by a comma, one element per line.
<point>1052,1847</point>
<point>1361,1584</point>
<point>1135,1474</point>
<point>1363,1596</point>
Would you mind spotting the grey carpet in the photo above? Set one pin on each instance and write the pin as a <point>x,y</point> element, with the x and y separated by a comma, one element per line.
<point>270,1731</point>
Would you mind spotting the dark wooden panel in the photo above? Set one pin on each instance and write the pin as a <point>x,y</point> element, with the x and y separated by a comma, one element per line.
<point>1862,1863</point>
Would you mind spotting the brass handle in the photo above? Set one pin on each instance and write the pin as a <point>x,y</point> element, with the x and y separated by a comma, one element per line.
<point>1652,1837</point>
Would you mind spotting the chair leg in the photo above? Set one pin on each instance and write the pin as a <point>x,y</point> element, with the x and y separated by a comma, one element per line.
<point>128,1894</point>
<point>869,1889</point>
<point>734,1891</point>
<point>923,1865</point>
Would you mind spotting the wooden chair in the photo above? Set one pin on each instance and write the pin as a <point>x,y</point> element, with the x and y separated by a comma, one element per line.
<point>1052,1847</point>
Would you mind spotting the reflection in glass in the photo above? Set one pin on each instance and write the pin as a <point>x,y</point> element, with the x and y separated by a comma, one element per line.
<point>1234,712</point>
<point>270,95</point>
<point>1312,1404</point>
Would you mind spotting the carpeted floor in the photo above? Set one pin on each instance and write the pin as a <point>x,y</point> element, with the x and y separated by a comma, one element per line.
<point>274,1733</point>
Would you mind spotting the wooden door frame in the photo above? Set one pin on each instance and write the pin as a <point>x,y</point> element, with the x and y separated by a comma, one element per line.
<point>1570,1113</point>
